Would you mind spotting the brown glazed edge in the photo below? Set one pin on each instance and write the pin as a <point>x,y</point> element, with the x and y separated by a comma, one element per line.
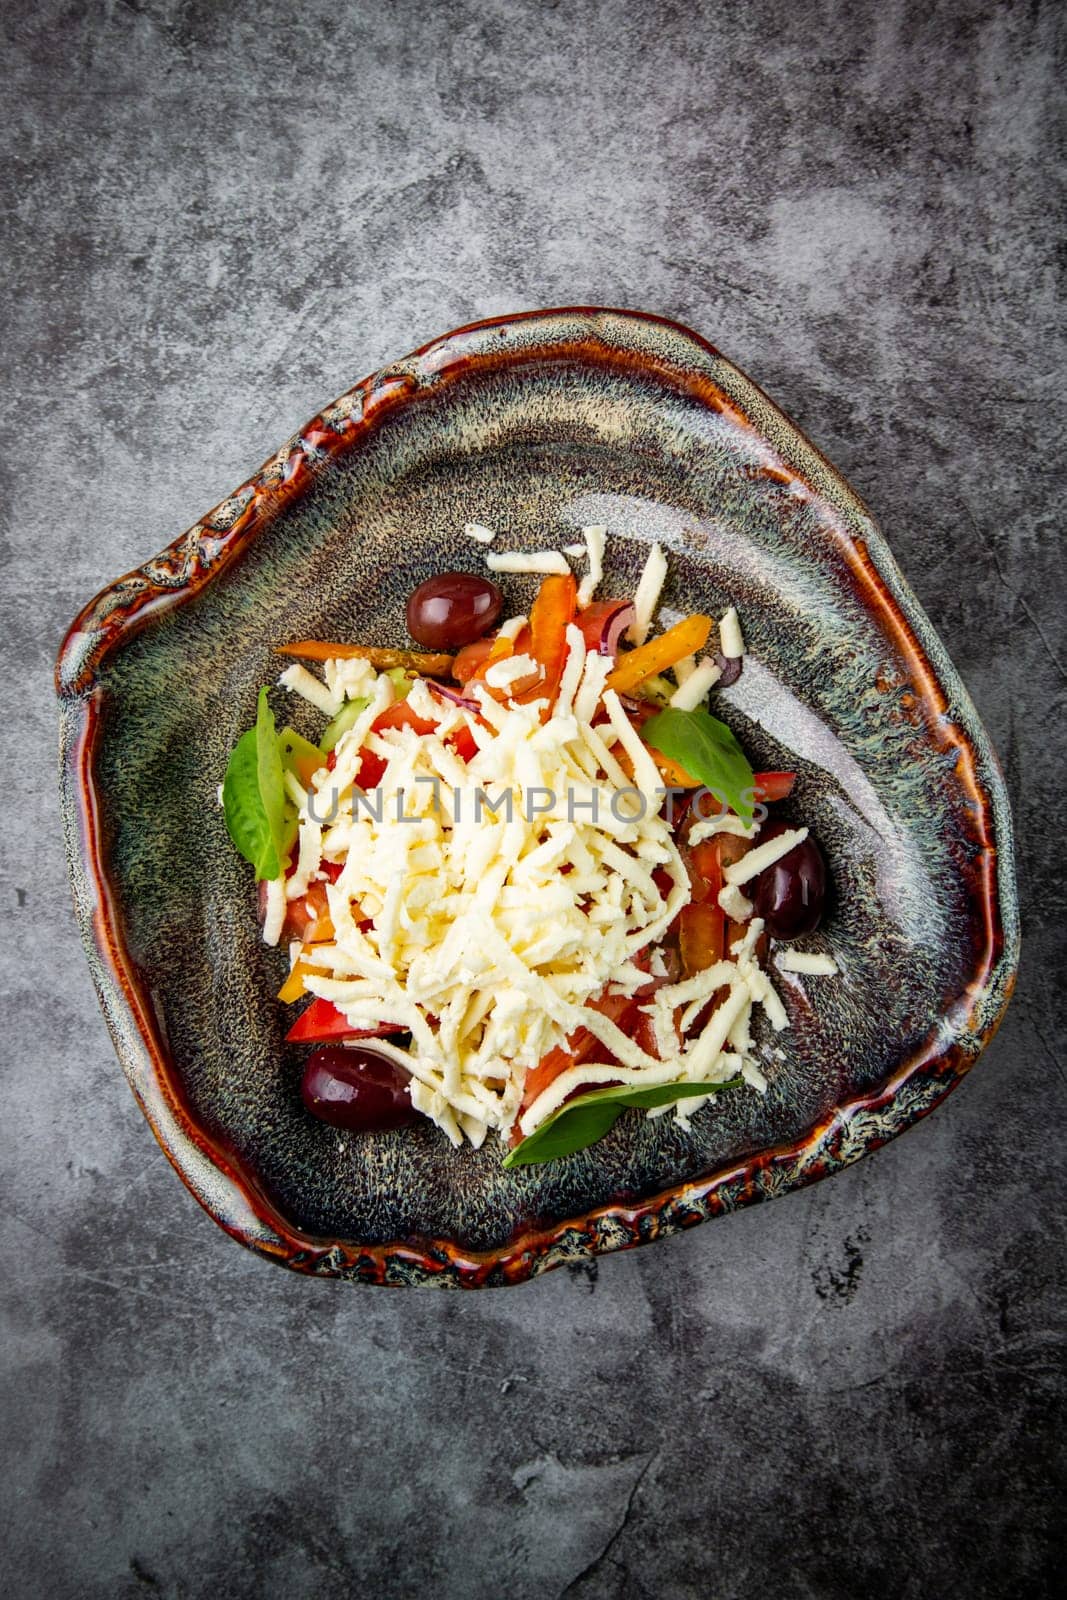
<point>178,572</point>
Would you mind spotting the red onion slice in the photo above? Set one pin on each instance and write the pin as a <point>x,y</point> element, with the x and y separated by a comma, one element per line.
<point>453,696</point>
<point>730,669</point>
<point>603,624</point>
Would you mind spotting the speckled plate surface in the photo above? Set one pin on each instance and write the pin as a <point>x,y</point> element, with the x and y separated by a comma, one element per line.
<point>535,425</point>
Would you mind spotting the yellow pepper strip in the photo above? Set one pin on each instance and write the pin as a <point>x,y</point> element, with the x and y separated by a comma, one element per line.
<point>684,639</point>
<point>305,766</point>
<point>294,985</point>
<point>321,931</point>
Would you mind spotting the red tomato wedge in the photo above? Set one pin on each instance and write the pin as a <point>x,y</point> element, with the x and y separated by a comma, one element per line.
<point>771,786</point>
<point>470,658</point>
<point>321,1020</point>
<point>401,715</point>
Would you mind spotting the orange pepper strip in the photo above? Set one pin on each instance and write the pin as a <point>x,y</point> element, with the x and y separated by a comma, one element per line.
<point>550,616</point>
<point>435,666</point>
<point>684,639</point>
<point>306,766</point>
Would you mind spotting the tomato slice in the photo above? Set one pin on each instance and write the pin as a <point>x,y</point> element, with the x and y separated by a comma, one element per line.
<point>322,1020</point>
<point>771,786</point>
<point>400,715</point>
<point>470,658</point>
<point>591,621</point>
<point>463,743</point>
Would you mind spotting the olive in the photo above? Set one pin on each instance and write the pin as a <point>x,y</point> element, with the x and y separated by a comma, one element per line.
<point>790,893</point>
<point>452,610</point>
<point>356,1088</point>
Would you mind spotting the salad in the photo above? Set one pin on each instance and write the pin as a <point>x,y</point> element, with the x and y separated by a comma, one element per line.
<point>525,878</point>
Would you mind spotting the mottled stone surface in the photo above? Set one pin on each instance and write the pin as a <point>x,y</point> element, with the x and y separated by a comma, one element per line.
<point>219,217</point>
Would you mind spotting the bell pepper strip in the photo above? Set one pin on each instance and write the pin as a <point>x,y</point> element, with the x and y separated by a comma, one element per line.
<point>299,757</point>
<point>321,1020</point>
<point>550,616</point>
<point>430,664</point>
<point>686,638</point>
<point>294,985</point>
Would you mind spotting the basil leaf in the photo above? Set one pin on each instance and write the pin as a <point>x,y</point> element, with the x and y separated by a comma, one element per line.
<point>707,750</point>
<point>271,777</point>
<point>246,820</point>
<point>582,1121</point>
<point>346,718</point>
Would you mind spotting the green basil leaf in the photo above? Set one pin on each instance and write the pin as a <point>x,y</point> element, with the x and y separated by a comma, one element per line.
<point>587,1118</point>
<point>246,820</point>
<point>346,718</point>
<point>707,750</point>
<point>271,776</point>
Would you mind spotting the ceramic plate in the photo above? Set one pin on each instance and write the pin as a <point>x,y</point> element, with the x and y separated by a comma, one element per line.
<point>534,425</point>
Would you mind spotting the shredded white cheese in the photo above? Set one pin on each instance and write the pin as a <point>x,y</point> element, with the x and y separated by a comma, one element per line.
<point>691,692</point>
<point>479,533</point>
<point>764,856</point>
<point>511,628</point>
<point>544,561</point>
<point>726,823</point>
<point>731,643</point>
<point>482,905</point>
<point>595,537</point>
<point>646,599</point>
<point>275,917</point>
<point>733,902</point>
<point>807,961</point>
<point>305,684</point>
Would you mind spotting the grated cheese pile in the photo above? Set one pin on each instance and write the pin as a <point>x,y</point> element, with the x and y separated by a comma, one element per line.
<point>484,927</point>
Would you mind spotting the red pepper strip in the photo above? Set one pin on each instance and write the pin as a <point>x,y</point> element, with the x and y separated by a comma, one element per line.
<point>550,616</point>
<point>322,1020</point>
<point>771,786</point>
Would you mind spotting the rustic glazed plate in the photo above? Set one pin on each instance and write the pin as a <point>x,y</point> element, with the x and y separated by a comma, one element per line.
<point>535,425</point>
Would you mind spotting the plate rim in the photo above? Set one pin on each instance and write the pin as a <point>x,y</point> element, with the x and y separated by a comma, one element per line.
<point>218,1180</point>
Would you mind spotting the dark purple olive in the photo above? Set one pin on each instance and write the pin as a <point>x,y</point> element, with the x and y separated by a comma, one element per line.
<point>789,895</point>
<point>356,1088</point>
<point>452,610</point>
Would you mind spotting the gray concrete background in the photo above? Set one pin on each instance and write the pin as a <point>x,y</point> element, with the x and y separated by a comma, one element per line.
<point>217,218</point>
